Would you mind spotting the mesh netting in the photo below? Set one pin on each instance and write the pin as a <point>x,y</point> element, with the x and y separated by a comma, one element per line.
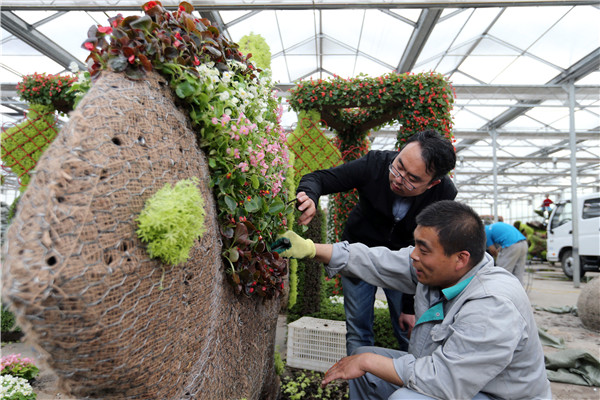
<point>23,143</point>
<point>83,286</point>
<point>311,148</point>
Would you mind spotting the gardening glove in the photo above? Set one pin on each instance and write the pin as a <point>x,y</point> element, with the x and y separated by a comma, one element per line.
<point>291,245</point>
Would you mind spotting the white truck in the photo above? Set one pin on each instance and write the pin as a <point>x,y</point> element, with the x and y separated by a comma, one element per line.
<point>560,234</point>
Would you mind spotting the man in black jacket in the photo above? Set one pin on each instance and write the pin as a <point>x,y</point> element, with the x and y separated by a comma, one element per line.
<point>393,188</point>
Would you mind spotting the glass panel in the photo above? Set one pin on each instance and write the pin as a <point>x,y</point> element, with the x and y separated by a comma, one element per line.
<point>295,26</point>
<point>384,37</point>
<point>591,208</point>
<point>411,14</point>
<point>340,65</point>
<point>478,22</point>
<point>486,68</point>
<point>78,23</point>
<point>562,215</point>
<point>443,35</point>
<point>522,26</point>
<point>264,24</point>
<point>572,38</point>
<point>525,71</point>
<point>343,25</point>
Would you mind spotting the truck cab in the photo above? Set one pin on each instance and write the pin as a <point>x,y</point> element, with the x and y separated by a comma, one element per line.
<point>560,234</point>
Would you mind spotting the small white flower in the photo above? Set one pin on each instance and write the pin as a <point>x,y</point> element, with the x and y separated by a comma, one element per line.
<point>224,96</point>
<point>73,67</point>
<point>381,304</point>
<point>226,76</point>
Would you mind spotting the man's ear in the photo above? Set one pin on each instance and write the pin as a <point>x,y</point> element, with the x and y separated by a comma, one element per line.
<point>462,260</point>
<point>433,183</point>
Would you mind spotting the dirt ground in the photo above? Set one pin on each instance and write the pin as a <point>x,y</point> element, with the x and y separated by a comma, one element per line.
<point>546,287</point>
<point>549,288</point>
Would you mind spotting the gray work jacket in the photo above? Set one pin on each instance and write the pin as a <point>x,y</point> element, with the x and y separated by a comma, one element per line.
<point>477,336</point>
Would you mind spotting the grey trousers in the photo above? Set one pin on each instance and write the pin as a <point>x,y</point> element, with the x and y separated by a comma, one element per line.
<point>513,259</point>
<point>371,387</point>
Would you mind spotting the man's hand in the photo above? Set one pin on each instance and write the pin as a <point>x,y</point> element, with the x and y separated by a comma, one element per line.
<point>407,323</point>
<point>346,368</point>
<point>298,246</point>
<point>357,365</point>
<point>307,206</point>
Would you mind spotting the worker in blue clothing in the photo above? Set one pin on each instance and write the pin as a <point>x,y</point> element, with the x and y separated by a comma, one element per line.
<point>508,246</point>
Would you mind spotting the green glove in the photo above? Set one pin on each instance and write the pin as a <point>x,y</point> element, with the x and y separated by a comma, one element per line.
<point>295,246</point>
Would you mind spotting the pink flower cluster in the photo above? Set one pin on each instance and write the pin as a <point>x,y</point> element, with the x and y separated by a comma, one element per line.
<point>264,154</point>
<point>14,360</point>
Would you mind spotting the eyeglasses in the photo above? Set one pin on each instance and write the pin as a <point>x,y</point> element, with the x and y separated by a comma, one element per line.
<point>409,186</point>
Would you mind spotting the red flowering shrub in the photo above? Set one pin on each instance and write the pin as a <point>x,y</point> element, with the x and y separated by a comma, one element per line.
<point>47,90</point>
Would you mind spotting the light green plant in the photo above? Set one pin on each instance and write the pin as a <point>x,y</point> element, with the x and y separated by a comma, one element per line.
<point>279,363</point>
<point>306,385</point>
<point>255,45</point>
<point>24,144</point>
<point>172,219</point>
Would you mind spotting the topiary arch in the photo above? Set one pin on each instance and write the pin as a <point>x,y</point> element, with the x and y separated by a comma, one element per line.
<point>353,107</point>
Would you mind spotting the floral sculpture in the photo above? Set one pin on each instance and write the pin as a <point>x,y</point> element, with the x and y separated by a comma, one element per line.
<point>231,105</point>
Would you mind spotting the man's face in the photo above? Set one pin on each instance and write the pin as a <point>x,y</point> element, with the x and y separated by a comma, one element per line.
<point>408,171</point>
<point>433,266</point>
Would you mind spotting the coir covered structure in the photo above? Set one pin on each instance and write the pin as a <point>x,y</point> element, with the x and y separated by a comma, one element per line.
<point>83,286</point>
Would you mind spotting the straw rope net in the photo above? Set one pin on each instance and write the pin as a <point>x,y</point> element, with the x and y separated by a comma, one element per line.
<point>82,285</point>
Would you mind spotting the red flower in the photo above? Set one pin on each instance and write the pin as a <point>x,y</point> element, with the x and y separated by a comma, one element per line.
<point>131,59</point>
<point>89,45</point>
<point>105,29</point>
<point>149,5</point>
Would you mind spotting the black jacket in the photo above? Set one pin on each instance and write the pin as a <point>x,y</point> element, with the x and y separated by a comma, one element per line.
<point>372,221</point>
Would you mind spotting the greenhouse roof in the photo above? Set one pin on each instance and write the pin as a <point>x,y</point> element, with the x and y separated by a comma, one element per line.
<point>518,67</point>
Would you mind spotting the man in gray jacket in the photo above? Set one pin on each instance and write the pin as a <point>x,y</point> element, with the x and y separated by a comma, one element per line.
<point>475,336</point>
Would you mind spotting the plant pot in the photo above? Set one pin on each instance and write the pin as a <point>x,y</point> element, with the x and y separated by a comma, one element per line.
<point>62,106</point>
<point>12,336</point>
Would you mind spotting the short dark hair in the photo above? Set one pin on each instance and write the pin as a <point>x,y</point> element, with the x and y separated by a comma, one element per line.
<point>437,152</point>
<point>458,227</point>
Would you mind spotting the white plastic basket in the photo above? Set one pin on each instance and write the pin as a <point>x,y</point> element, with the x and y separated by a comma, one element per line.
<point>315,344</point>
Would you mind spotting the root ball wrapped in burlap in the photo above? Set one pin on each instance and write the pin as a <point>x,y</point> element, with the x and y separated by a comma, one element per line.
<point>83,286</point>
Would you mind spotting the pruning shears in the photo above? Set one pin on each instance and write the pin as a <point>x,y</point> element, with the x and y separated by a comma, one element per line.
<point>281,245</point>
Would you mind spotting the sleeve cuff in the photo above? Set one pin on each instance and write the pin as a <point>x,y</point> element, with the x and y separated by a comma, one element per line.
<point>339,258</point>
<point>403,366</point>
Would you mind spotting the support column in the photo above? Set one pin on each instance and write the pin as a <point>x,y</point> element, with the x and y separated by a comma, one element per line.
<point>574,205</point>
